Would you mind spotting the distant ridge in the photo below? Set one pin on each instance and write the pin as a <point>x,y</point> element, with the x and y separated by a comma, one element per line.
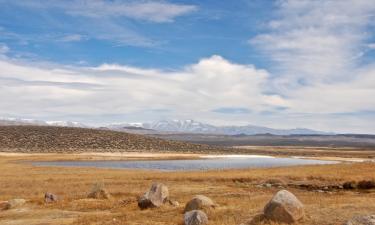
<point>70,139</point>
<point>191,126</point>
<point>173,126</point>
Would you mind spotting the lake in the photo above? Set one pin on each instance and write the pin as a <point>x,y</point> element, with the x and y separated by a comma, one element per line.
<point>208,163</point>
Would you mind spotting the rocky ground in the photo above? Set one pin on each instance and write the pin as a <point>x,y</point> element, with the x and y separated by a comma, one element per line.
<point>329,194</point>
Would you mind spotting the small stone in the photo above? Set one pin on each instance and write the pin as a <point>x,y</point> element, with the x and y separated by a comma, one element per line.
<point>49,197</point>
<point>362,220</point>
<point>4,205</point>
<point>174,203</point>
<point>195,217</point>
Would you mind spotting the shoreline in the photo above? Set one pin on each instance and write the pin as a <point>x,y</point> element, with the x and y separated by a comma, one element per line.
<point>164,156</point>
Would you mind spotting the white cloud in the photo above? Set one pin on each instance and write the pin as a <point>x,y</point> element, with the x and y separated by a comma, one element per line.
<point>3,48</point>
<point>318,77</point>
<point>371,46</point>
<point>317,41</point>
<point>115,89</point>
<point>73,38</point>
<point>316,49</point>
<point>154,11</point>
<point>99,19</point>
<point>147,10</point>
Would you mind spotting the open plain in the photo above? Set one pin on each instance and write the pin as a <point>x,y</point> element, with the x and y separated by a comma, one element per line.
<point>240,194</point>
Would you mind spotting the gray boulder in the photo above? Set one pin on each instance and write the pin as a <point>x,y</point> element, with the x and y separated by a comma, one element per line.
<point>155,197</point>
<point>284,207</point>
<point>195,217</point>
<point>49,197</point>
<point>362,220</point>
<point>199,202</point>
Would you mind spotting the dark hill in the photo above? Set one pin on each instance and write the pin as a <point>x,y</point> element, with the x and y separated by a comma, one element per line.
<point>66,139</point>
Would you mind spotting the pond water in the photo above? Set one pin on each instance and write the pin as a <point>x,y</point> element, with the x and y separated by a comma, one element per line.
<point>209,163</point>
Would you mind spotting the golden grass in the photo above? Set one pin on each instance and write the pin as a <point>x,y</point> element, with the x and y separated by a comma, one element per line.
<point>234,190</point>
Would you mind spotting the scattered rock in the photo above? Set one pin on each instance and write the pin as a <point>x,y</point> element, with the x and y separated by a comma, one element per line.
<point>366,184</point>
<point>199,202</point>
<point>362,220</point>
<point>4,205</point>
<point>174,203</point>
<point>268,185</point>
<point>49,197</point>
<point>350,185</point>
<point>14,203</point>
<point>155,197</point>
<point>99,192</point>
<point>195,217</point>
<point>255,220</point>
<point>275,182</point>
<point>284,207</point>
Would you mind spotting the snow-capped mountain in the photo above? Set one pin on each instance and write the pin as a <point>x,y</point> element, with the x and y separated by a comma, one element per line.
<point>170,126</point>
<point>18,121</point>
<point>191,126</point>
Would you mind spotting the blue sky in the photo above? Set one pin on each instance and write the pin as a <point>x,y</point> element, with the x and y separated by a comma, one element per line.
<point>282,63</point>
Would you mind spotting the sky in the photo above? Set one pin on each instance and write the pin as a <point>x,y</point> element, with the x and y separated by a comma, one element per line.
<point>281,63</point>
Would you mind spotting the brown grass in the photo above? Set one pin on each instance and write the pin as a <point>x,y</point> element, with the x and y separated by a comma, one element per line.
<point>235,191</point>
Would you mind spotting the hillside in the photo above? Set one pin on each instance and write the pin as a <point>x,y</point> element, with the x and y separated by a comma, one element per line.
<point>342,140</point>
<point>68,139</point>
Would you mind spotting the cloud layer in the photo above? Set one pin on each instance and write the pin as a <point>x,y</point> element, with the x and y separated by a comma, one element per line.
<point>317,75</point>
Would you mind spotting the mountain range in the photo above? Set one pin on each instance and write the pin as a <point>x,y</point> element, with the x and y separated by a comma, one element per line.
<point>191,126</point>
<point>171,126</point>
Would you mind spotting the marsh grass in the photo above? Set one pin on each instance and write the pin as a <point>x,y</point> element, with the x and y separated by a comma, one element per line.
<point>235,191</point>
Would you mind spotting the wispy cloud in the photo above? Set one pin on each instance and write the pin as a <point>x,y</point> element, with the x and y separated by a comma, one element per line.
<point>73,38</point>
<point>96,19</point>
<point>93,90</point>
<point>3,48</point>
<point>316,49</point>
<point>147,10</point>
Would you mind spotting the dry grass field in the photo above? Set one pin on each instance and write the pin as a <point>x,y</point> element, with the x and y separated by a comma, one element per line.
<point>235,191</point>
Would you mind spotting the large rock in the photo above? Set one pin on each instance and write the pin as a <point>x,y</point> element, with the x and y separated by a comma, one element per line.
<point>14,203</point>
<point>284,207</point>
<point>199,202</point>
<point>155,197</point>
<point>362,220</point>
<point>195,217</point>
<point>49,197</point>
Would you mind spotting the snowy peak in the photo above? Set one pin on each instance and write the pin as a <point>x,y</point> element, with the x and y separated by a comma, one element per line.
<point>180,126</point>
<point>191,126</point>
<point>18,121</point>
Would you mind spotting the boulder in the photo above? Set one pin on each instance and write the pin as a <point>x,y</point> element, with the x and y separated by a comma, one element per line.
<point>362,220</point>
<point>284,207</point>
<point>199,202</point>
<point>99,192</point>
<point>49,197</point>
<point>155,197</point>
<point>14,203</point>
<point>195,217</point>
